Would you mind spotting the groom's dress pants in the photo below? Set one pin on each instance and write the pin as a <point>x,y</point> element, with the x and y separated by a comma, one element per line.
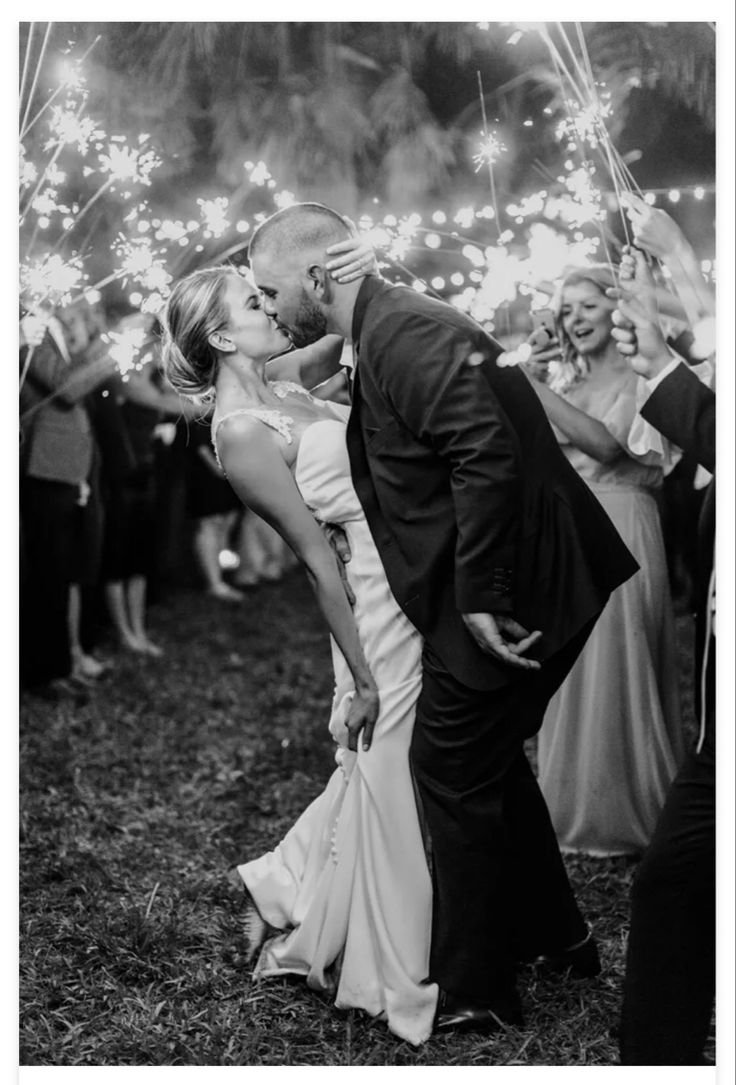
<point>501,892</point>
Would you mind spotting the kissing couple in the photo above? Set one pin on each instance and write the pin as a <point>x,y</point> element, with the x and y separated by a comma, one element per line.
<point>427,870</point>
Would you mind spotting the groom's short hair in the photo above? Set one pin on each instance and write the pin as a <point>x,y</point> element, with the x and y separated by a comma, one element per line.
<point>297,227</point>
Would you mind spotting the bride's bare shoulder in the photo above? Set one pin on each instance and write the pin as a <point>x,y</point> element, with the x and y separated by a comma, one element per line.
<point>247,442</point>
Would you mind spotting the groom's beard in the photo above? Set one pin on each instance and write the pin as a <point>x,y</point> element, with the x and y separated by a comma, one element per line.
<point>309,324</point>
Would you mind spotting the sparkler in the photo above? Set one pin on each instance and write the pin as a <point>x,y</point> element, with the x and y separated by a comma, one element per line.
<point>489,149</point>
<point>72,80</point>
<point>36,74</point>
<point>48,283</point>
<point>51,281</point>
<point>26,62</point>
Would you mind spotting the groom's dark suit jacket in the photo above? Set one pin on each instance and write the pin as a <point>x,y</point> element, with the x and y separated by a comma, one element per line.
<point>471,503</point>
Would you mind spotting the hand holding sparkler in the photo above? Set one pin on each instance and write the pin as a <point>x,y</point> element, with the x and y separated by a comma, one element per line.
<point>636,327</point>
<point>657,233</point>
<point>32,330</point>
<point>653,229</point>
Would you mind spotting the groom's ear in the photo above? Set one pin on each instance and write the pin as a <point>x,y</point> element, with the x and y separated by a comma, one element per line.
<point>221,342</point>
<point>320,283</point>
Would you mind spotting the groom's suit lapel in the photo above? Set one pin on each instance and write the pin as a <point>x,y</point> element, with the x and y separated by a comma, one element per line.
<point>356,434</point>
<point>359,462</point>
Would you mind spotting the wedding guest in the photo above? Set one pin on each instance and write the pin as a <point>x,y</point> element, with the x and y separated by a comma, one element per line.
<point>214,506</point>
<point>56,463</point>
<point>612,738</point>
<point>669,985</point>
<point>655,231</point>
<point>82,323</point>
<point>127,412</point>
<point>264,556</point>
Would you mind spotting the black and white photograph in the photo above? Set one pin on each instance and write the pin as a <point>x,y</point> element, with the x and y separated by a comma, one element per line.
<point>365,642</point>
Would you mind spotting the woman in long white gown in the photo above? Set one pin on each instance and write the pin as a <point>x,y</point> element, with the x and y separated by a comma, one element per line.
<point>348,889</point>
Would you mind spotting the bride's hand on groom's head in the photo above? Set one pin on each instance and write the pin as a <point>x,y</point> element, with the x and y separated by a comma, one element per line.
<point>353,259</point>
<point>504,638</point>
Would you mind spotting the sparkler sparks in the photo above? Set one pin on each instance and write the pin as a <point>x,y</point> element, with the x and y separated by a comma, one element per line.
<point>51,281</point>
<point>68,127</point>
<point>28,173</point>
<point>45,203</point>
<point>125,346</point>
<point>125,163</point>
<point>586,203</point>
<point>585,123</point>
<point>71,75</point>
<point>214,216</point>
<point>141,264</point>
<point>489,149</point>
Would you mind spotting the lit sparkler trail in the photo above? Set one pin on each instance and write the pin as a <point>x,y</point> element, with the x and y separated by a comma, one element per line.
<point>67,83</point>
<point>36,75</point>
<point>588,90</point>
<point>489,150</point>
<point>562,72</point>
<point>489,158</point>
<point>123,164</point>
<point>26,61</point>
<point>49,166</point>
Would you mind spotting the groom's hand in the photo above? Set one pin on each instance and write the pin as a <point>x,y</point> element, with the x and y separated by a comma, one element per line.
<point>503,638</point>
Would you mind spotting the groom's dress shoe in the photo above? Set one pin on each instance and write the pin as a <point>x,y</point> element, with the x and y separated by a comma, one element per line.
<point>581,960</point>
<point>454,1015</point>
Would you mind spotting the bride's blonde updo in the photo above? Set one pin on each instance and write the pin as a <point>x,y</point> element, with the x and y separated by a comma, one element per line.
<point>195,310</point>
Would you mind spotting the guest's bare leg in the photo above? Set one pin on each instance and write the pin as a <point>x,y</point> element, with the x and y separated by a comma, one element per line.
<point>135,590</point>
<point>209,540</point>
<point>118,610</point>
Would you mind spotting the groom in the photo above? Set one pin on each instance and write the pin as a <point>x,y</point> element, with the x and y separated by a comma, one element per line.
<point>502,559</point>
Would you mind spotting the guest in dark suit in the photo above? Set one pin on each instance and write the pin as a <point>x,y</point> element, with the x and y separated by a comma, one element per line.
<point>485,533</point>
<point>669,984</point>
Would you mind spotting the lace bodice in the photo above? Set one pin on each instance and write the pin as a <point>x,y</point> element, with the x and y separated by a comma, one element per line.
<point>321,468</point>
<point>280,421</point>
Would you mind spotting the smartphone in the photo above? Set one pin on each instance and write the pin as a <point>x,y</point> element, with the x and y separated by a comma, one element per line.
<point>544,318</point>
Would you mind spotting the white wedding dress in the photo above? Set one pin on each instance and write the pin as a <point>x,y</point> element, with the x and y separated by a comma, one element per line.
<point>348,887</point>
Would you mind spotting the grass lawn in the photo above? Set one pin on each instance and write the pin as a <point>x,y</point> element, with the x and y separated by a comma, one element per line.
<point>135,802</point>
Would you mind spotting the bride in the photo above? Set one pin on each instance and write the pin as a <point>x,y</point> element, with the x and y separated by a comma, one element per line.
<point>347,891</point>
